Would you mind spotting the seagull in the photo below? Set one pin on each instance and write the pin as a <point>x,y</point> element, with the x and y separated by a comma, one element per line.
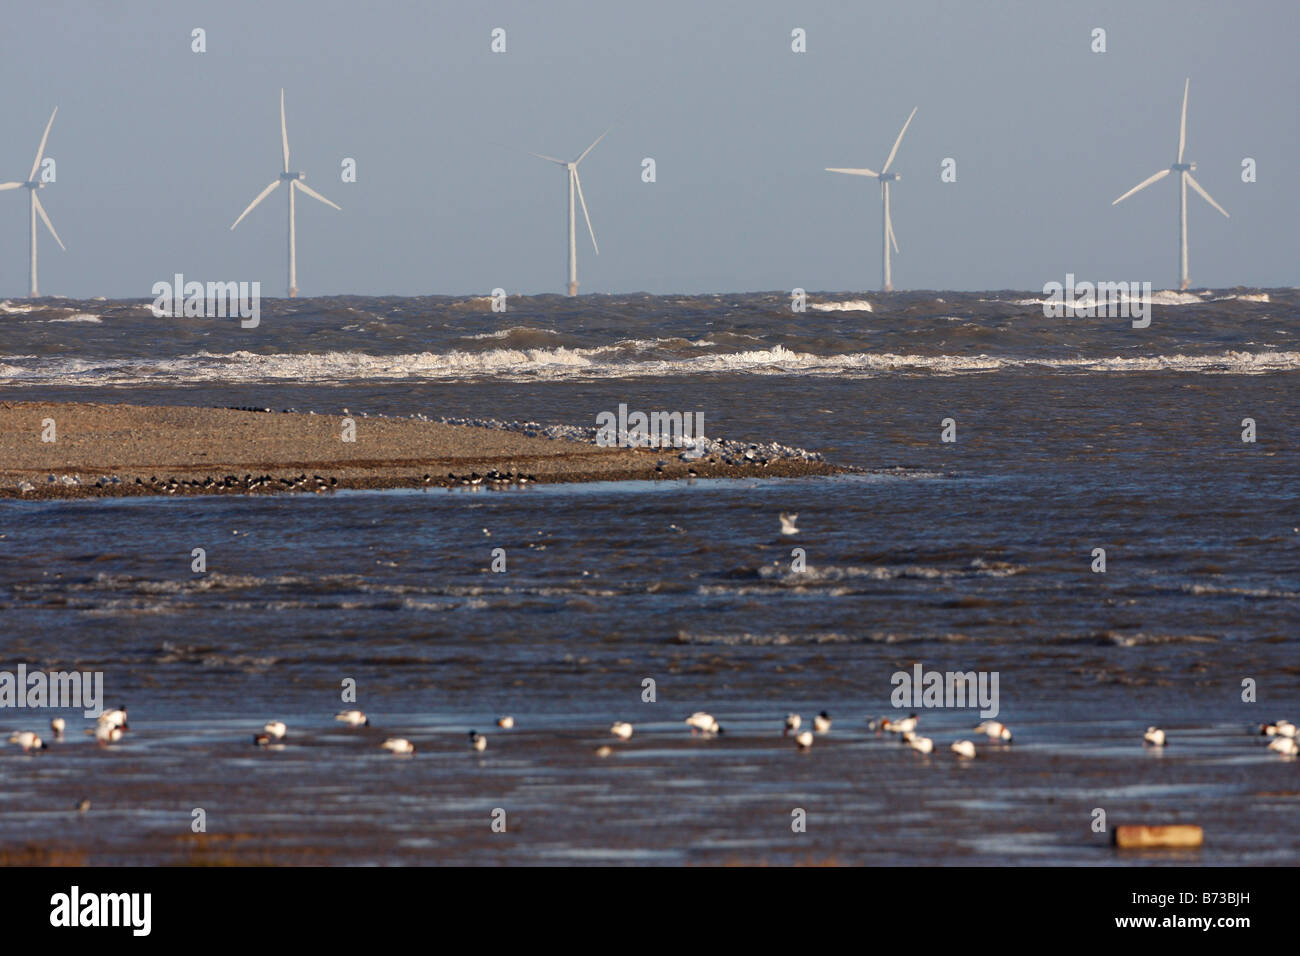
<point>83,804</point>
<point>822,722</point>
<point>787,523</point>
<point>506,723</point>
<point>964,748</point>
<point>792,722</point>
<point>27,740</point>
<point>704,723</point>
<point>1285,746</point>
<point>261,740</point>
<point>58,725</point>
<point>398,745</point>
<point>1154,736</point>
<point>994,730</point>
<point>276,728</point>
<point>919,744</point>
<point>621,729</point>
<point>804,739</point>
<point>477,741</point>
<point>604,751</point>
<point>353,718</point>
<point>904,726</point>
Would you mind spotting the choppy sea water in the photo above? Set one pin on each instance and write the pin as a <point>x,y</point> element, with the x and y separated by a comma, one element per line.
<point>1072,434</point>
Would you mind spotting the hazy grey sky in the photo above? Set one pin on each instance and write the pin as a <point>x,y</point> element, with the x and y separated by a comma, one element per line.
<point>158,149</point>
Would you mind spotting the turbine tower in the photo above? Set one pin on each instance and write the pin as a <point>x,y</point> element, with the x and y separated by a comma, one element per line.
<point>31,185</point>
<point>887,224</point>
<point>295,181</point>
<point>1185,178</point>
<point>576,184</point>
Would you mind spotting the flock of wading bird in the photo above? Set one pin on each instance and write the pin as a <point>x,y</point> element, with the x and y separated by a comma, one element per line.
<point>111,726</point>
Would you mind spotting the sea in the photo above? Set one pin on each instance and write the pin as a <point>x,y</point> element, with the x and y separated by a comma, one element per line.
<point>1100,520</point>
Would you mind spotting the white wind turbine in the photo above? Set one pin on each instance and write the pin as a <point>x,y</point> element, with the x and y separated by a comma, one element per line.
<point>32,184</point>
<point>295,181</point>
<point>887,226</point>
<point>1184,171</point>
<point>576,184</point>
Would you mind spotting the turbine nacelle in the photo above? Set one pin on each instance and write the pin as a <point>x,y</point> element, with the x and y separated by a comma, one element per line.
<point>293,176</point>
<point>1182,167</point>
<point>889,177</point>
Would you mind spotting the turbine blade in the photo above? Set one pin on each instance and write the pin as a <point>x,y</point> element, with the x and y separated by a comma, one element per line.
<point>284,132</point>
<point>591,147</point>
<point>854,172</point>
<point>889,222</point>
<point>260,196</point>
<point>893,152</point>
<point>1182,128</point>
<point>578,182</point>
<point>4,186</point>
<point>1205,195</point>
<point>40,152</point>
<point>46,219</point>
<point>1142,185</point>
<point>313,193</point>
<point>550,158</point>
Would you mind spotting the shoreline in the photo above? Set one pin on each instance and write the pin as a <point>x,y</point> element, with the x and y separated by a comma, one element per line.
<point>110,450</point>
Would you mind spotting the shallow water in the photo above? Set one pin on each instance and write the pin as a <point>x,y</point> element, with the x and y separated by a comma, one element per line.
<point>968,556</point>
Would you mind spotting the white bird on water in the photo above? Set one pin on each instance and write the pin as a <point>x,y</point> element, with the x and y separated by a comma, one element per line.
<point>398,745</point>
<point>964,748</point>
<point>506,723</point>
<point>58,725</point>
<point>787,523</point>
<point>804,739</point>
<point>353,718</point>
<point>1285,746</point>
<point>904,726</point>
<point>919,744</point>
<point>1280,728</point>
<point>276,728</point>
<point>27,740</point>
<point>114,718</point>
<point>792,723</point>
<point>822,722</point>
<point>107,734</point>
<point>994,730</point>
<point>704,723</point>
<point>477,741</point>
<point>621,729</point>
<point>1154,736</point>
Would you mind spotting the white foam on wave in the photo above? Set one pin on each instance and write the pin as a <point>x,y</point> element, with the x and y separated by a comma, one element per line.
<point>79,317</point>
<point>853,305</point>
<point>613,361</point>
<point>1164,297</point>
<point>506,333</point>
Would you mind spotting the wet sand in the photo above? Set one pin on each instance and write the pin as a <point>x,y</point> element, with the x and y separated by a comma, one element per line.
<point>185,450</point>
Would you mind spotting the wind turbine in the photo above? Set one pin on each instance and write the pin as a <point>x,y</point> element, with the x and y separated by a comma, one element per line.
<point>295,181</point>
<point>887,224</point>
<point>576,184</point>
<point>1185,177</point>
<point>32,184</point>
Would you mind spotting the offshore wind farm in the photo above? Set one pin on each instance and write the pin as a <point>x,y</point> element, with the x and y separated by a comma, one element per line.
<point>379,583</point>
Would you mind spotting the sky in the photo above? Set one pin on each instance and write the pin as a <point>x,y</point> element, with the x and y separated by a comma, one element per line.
<point>158,148</point>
